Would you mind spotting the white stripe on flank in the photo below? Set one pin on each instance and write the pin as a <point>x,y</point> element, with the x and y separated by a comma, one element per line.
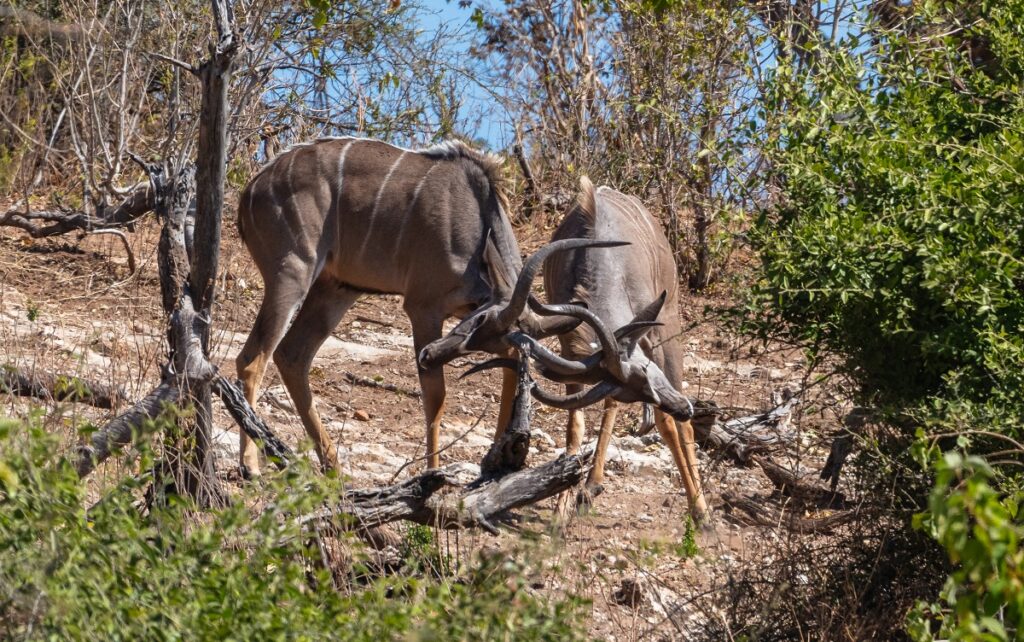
<point>416,192</point>
<point>341,169</point>
<point>387,177</point>
<point>288,176</point>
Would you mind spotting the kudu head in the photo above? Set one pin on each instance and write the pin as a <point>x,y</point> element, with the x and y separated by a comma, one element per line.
<point>488,327</point>
<point>621,368</point>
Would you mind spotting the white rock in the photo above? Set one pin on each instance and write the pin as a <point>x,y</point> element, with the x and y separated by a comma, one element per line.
<point>225,444</point>
<point>464,471</point>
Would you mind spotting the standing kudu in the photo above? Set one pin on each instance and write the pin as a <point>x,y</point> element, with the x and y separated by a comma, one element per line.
<point>330,220</point>
<point>633,288</point>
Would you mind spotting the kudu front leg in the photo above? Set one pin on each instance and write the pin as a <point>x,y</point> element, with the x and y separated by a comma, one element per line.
<point>686,461</point>
<point>595,478</point>
<point>426,327</point>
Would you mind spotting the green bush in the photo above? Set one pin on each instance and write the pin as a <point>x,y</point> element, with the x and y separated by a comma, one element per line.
<point>113,572</point>
<point>899,241</point>
<point>980,529</point>
<point>896,250</point>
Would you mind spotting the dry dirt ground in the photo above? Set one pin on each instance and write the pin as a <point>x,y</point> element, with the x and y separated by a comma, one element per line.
<point>69,305</point>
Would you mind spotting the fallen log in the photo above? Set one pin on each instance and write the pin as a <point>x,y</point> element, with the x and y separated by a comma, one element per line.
<point>739,439</point>
<point>46,385</point>
<point>743,437</point>
<point>791,485</point>
<point>434,497</point>
<point>758,514</point>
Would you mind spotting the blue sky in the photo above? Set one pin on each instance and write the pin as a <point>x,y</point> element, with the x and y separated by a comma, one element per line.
<point>491,124</point>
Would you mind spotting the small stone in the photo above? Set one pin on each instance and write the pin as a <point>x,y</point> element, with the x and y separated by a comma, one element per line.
<point>361,415</point>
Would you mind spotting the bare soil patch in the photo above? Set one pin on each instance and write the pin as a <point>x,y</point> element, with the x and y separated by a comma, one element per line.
<point>70,305</point>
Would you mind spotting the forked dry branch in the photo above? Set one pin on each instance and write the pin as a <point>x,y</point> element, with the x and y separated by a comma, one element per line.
<point>42,224</point>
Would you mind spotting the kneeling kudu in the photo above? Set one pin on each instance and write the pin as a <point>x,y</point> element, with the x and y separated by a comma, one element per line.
<point>330,220</point>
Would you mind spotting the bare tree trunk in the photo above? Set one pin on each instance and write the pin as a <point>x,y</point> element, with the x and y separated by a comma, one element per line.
<point>215,74</point>
<point>532,191</point>
<point>701,277</point>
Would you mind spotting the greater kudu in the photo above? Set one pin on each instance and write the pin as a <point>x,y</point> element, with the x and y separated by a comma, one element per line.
<point>333,219</point>
<point>633,288</point>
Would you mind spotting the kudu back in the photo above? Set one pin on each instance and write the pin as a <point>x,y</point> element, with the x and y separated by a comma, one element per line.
<point>631,297</point>
<point>328,221</point>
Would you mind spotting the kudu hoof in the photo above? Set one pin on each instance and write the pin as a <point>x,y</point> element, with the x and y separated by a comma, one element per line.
<point>585,497</point>
<point>249,474</point>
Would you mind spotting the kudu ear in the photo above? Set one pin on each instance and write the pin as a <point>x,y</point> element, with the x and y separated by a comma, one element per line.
<point>651,311</point>
<point>500,279</point>
<point>631,334</point>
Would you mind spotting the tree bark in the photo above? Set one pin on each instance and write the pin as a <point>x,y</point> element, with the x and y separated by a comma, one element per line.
<point>188,279</point>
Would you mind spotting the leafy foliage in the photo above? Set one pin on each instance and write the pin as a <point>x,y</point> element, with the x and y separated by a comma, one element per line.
<point>896,248</point>
<point>980,528</point>
<point>112,572</point>
<point>899,241</point>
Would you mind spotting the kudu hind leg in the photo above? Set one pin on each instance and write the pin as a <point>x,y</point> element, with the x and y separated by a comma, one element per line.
<point>282,298</point>
<point>320,314</point>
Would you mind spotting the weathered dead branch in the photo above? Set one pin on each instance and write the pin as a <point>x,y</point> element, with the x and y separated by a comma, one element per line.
<point>743,437</point>
<point>42,224</point>
<point>247,419</point>
<point>791,485</point>
<point>854,424</point>
<point>435,498</point>
<point>46,385</point>
<point>125,428</point>
<point>423,499</point>
<point>508,452</point>
<point>132,265</point>
<point>759,514</point>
